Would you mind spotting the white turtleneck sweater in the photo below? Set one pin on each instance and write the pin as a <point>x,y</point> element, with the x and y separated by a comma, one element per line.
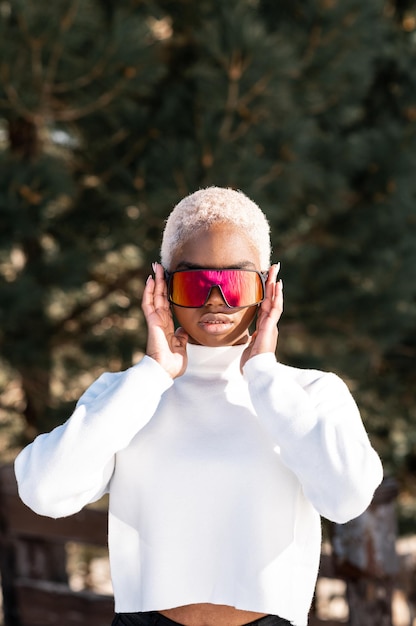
<point>217,479</point>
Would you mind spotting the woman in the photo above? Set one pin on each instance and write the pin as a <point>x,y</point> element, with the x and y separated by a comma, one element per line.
<point>218,459</point>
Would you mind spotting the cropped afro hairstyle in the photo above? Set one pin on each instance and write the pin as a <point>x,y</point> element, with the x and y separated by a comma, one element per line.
<point>215,205</point>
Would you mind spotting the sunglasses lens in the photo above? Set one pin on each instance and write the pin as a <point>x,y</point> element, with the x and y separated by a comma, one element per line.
<point>240,288</point>
<point>187,289</point>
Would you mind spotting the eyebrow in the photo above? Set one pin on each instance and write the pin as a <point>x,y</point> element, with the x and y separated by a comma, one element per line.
<point>184,265</point>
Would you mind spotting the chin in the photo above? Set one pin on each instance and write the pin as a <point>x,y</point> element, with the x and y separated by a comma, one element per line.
<point>218,341</point>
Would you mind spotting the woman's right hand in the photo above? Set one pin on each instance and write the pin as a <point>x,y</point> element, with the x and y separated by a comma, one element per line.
<point>164,344</point>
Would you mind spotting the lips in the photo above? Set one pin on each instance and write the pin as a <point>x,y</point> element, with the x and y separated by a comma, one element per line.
<point>215,318</point>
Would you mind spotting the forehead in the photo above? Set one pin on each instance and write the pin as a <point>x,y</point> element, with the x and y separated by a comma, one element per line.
<point>220,245</point>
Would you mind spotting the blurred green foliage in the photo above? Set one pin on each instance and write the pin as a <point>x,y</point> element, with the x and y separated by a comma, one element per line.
<point>111,111</point>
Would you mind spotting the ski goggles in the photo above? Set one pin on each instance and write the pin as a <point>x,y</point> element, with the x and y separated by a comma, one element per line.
<point>239,288</point>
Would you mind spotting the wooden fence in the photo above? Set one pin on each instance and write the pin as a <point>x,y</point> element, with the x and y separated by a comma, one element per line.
<point>34,575</point>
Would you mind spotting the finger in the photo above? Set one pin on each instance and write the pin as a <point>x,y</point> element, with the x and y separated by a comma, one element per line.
<point>148,296</point>
<point>274,270</point>
<point>160,291</point>
<point>281,293</point>
<point>271,280</point>
<point>267,304</point>
<point>278,297</point>
<point>272,307</point>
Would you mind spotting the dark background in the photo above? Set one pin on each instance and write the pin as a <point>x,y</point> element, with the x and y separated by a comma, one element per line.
<point>111,111</point>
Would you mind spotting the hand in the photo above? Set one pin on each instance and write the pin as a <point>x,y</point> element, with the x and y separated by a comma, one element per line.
<point>265,336</point>
<point>164,345</point>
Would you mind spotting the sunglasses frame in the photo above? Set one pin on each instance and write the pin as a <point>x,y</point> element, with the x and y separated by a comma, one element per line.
<point>262,275</point>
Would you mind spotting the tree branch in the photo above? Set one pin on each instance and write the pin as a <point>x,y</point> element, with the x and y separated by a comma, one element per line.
<point>65,24</point>
<point>70,115</point>
<point>109,287</point>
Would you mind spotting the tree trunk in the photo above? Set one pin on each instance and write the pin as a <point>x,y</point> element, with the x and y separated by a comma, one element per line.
<point>365,556</point>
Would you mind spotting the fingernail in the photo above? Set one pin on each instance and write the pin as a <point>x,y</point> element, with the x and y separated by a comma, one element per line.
<point>154,266</point>
<point>148,278</point>
<point>277,268</point>
<point>281,284</point>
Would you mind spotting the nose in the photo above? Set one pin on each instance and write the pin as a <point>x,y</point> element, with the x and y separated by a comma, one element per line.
<point>215,297</point>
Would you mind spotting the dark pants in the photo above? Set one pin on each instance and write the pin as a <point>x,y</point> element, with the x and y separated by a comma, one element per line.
<point>153,618</point>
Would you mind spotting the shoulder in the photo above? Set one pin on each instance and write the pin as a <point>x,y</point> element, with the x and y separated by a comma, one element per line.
<point>309,376</point>
<point>147,372</point>
<point>104,381</point>
<point>312,380</point>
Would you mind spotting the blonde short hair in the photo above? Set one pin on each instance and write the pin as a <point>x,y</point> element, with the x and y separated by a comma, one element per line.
<point>214,205</point>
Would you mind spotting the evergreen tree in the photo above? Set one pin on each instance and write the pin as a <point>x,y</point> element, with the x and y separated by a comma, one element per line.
<point>112,111</point>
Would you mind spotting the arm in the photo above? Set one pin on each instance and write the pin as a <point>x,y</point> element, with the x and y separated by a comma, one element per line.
<point>63,470</point>
<point>319,431</point>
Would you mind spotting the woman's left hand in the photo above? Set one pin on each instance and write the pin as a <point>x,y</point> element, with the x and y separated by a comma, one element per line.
<point>264,338</point>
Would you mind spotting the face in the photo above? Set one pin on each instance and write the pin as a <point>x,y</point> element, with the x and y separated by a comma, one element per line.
<point>222,246</point>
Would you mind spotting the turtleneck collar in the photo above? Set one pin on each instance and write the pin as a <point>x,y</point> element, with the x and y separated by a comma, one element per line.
<point>223,361</point>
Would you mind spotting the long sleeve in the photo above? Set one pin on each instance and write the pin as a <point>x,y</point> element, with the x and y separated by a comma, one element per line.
<point>314,420</point>
<point>61,471</point>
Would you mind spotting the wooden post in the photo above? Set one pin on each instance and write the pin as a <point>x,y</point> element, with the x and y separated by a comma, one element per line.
<point>33,564</point>
<point>365,556</point>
